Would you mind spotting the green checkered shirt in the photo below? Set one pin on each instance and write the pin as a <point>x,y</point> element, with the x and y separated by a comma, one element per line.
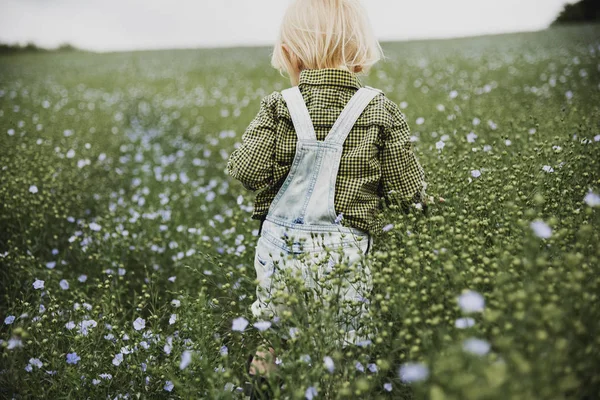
<point>377,160</point>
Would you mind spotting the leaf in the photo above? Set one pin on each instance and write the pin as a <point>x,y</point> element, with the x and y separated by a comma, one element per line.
<point>496,374</point>
<point>436,393</point>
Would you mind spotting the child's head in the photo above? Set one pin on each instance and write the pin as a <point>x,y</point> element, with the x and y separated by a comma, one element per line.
<point>318,34</point>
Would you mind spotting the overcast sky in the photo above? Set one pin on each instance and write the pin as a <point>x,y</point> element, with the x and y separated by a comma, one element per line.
<point>106,25</point>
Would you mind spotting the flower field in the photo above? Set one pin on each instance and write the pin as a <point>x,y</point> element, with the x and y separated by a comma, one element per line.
<point>126,252</point>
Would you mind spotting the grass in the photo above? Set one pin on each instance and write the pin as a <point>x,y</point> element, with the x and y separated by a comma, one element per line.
<point>113,193</point>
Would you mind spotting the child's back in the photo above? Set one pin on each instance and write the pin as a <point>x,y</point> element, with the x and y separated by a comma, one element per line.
<point>377,160</point>
<point>315,172</point>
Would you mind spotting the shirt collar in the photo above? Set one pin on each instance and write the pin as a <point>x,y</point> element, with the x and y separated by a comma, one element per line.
<point>329,76</point>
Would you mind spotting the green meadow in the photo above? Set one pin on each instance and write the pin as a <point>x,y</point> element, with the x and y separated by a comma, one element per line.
<point>126,252</point>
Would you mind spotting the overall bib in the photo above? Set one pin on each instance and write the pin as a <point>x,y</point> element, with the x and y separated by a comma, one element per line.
<point>301,225</point>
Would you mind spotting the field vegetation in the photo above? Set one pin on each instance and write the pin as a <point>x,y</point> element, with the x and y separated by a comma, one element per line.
<point>126,252</point>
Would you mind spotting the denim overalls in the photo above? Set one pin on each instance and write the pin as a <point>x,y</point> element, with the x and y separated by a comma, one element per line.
<point>302,221</point>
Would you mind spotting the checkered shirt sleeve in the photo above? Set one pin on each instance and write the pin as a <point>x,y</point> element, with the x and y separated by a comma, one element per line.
<point>402,177</point>
<point>252,162</point>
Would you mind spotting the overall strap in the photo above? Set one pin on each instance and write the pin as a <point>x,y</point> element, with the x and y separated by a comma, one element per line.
<point>355,107</point>
<point>299,113</point>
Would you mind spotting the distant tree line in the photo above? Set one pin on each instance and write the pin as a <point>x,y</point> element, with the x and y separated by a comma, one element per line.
<point>582,11</point>
<point>33,48</point>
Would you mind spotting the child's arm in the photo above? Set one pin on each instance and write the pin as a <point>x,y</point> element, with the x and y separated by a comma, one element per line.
<point>251,164</point>
<point>403,179</point>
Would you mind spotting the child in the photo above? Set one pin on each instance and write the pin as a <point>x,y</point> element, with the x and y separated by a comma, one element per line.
<point>322,154</point>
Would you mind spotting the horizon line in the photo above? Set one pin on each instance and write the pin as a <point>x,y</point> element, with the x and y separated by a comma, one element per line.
<point>270,44</point>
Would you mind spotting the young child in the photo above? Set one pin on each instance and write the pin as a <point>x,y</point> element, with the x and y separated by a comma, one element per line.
<point>323,153</point>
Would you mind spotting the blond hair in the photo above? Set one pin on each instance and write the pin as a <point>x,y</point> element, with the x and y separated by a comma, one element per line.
<point>327,34</point>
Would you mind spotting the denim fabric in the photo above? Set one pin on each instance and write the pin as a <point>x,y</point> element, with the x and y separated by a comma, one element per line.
<point>300,234</point>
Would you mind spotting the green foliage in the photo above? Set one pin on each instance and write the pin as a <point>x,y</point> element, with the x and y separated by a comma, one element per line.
<point>31,47</point>
<point>113,192</point>
<point>584,11</point>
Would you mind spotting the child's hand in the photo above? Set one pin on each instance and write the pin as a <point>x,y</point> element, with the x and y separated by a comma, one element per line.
<point>431,200</point>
